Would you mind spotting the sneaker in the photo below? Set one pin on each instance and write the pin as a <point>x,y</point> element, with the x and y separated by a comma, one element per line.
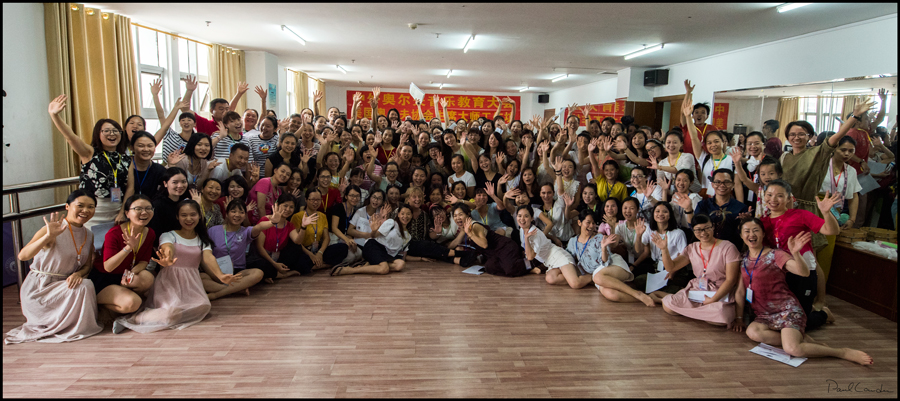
<point>117,327</point>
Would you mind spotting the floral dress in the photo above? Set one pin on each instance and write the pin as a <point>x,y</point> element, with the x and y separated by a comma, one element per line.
<point>773,302</point>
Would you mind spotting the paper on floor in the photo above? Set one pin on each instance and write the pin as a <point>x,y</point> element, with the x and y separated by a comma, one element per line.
<point>474,270</point>
<point>777,354</point>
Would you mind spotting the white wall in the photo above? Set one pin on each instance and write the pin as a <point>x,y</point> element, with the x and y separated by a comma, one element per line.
<point>336,96</point>
<point>604,91</point>
<point>283,88</point>
<point>29,134</point>
<point>262,70</point>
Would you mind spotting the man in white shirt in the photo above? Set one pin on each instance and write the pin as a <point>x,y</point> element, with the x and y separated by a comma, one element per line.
<point>236,164</point>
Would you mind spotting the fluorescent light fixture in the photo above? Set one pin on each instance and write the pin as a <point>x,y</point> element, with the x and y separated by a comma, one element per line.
<point>296,37</point>
<point>644,51</point>
<point>523,89</point>
<point>790,6</point>
<point>338,66</point>
<point>448,73</point>
<point>847,91</point>
<point>442,86</point>
<point>468,44</point>
<point>561,77</point>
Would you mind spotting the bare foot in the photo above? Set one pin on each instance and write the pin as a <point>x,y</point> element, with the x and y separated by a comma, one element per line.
<point>646,299</point>
<point>270,281</point>
<point>535,270</point>
<point>655,298</point>
<point>857,356</point>
<point>287,274</point>
<point>247,292</point>
<point>827,311</point>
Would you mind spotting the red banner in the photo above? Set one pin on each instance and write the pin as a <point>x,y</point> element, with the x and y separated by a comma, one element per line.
<point>459,106</point>
<point>720,116</point>
<point>599,111</point>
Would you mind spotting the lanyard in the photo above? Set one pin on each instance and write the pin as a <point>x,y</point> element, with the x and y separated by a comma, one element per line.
<point>327,194</point>
<point>75,244</point>
<point>484,218</point>
<point>676,160</point>
<point>609,189</point>
<point>134,251</point>
<point>114,170</point>
<point>198,174</point>
<point>227,247</point>
<point>750,272</point>
<point>836,180</point>
<point>137,175</point>
<point>277,241</point>
<point>550,213</point>
<point>633,193</point>
<point>566,186</point>
<point>706,261</point>
<point>716,165</point>
<point>347,223</point>
<point>580,254</point>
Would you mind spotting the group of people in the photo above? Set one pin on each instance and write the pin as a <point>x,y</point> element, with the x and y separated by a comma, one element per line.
<point>245,199</point>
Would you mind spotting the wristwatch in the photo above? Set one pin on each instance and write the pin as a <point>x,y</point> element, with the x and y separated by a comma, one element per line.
<point>853,116</point>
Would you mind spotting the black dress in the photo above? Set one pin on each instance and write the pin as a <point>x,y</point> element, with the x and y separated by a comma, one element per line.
<point>503,257</point>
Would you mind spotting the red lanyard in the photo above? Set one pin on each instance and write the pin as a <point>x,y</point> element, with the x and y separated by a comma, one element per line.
<point>705,261</point>
<point>75,244</point>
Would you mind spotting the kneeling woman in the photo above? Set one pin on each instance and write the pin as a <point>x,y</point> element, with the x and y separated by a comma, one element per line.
<point>560,265</point>
<point>120,277</point>
<point>230,243</point>
<point>177,299</point>
<point>503,256</point>
<point>384,251</point>
<point>608,270</point>
<point>780,320</point>
<point>58,303</point>
<point>716,272</point>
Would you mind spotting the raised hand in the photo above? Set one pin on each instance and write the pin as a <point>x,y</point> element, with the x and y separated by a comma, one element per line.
<point>309,219</point>
<point>318,96</point>
<point>444,102</point>
<point>863,106</point>
<point>223,131</point>
<point>132,239</point>
<point>378,138</point>
<point>592,145</point>
<point>156,86</point>
<point>610,220</point>
<point>648,190</point>
<point>658,240</point>
<point>512,194</point>
<point>284,124</point>
<point>451,199</point>
<point>557,163</point>
<point>688,88</point>
<point>195,195</point>
<point>191,82</point>
<point>640,227</point>
<point>796,242</point>
<point>664,183</point>
<point>503,179</point>
<point>254,171</point>
<point>489,189</point>
<point>57,105</point>
<point>829,201</point>
<point>242,87</point>
<point>736,154</point>
<point>307,154</point>
<point>654,165</point>
<point>55,225</point>
<point>357,97</point>
<point>386,210</point>
<point>467,226</point>
<point>687,108</point>
<point>395,124</point>
<point>882,93</point>
<point>176,156</point>
<point>586,110</point>
<point>568,199</point>
<point>213,164</point>
<point>164,257</point>
<point>609,240</point>
<point>261,92</point>
<point>343,185</point>
<point>683,200</point>
<point>376,91</point>
<point>606,143</point>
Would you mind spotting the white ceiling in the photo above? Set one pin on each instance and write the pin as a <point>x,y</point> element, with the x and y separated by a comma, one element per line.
<point>515,44</point>
<point>815,89</point>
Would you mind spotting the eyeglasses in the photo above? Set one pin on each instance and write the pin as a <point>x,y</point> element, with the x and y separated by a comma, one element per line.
<point>111,132</point>
<point>142,209</point>
<point>638,177</point>
<point>700,230</point>
<point>725,183</point>
<point>796,135</point>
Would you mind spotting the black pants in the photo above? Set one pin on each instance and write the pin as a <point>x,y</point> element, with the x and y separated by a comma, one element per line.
<point>290,256</point>
<point>375,253</point>
<point>429,249</point>
<point>805,290</point>
<point>333,255</point>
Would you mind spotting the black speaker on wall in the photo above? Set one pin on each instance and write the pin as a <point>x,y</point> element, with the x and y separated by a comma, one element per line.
<point>545,98</point>
<point>656,77</point>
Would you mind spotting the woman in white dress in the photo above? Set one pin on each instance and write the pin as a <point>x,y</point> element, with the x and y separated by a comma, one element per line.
<point>560,264</point>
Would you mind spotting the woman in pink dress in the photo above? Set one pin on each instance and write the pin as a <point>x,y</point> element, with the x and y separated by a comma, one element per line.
<point>780,320</point>
<point>177,298</point>
<point>715,264</point>
<point>58,302</point>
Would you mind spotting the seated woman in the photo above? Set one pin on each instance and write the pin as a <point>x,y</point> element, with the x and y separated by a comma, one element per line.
<point>503,256</point>
<point>59,304</point>
<point>777,309</point>
<point>538,247</point>
<point>638,262</point>
<point>177,299</point>
<point>717,272</point>
<point>457,163</point>
<point>165,206</point>
<point>340,216</point>
<point>267,190</point>
<point>489,213</point>
<point>444,230</point>
<point>611,216</point>
<point>663,224</point>
<point>317,250</point>
<point>421,247</point>
<point>206,197</point>
<point>230,242</point>
<point>274,254</point>
<point>120,277</point>
<point>384,251</point>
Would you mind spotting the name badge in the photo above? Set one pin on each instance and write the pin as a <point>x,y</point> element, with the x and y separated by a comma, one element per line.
<point>749,296</point>
<point>115,195</point>
<point>703,283</point>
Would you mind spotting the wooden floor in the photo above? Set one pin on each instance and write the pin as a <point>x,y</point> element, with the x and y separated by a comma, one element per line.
<point>432,331</point>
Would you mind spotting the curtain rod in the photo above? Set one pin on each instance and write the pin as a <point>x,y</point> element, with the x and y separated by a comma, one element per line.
<point>319,80</point>
<point>171,34</point>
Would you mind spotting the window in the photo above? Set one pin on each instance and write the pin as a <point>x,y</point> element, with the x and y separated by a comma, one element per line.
<point>291,103</point>
<point>822,112</point>
<point>313,85</point>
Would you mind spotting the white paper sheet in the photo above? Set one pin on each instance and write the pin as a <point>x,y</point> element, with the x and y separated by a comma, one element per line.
<point>877,168</point>
<point>868,184</point>
<point>416,92</point>
<point>777,354</point>
<point>476,270</point>
<point>656,281</point>
<point>698,296</point>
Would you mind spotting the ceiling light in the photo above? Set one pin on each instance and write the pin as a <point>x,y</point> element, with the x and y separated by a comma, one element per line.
<point>790,6</point>
<point>523,89</point>
<point>442,86</point>
<point>847,91</point>
<point>468,43</point>
<point>560,78</point>
<point>448,73</point>
<point>296,36</point>
<point>340,68</point>
<point>644,51</point>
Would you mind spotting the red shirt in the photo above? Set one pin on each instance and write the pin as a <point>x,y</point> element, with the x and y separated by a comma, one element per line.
<point>383,156</point>
<point>792,222</point>
<point>113,243</point>
<point>701,131</point>
<point>205,126</point>
<point>862,146</point>
<point>279,236</point>
<point>333,197</point>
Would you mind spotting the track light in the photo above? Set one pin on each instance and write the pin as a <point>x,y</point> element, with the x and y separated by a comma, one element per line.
<point>468,43</point>
<point>790,6</point>
<point>296,37</point>
<point>644,51</point>
<point>561,77</point>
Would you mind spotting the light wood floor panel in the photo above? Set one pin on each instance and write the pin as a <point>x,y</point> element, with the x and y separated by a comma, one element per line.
<point>432,331</point>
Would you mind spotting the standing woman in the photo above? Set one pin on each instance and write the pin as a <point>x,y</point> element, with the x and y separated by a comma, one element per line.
<point>197,159</point>
<point>503,256</point>
<point>173,191</point>
<point>147,174</point>
<point>317,250</point>
<point>57,302</point>
<point>120,277</point>
<point>177,299</point>
<point>341,215</point>
<point>287,144</point>
<point>267,190</point>
<point>384,251</point>
<point>230,242</point>
<point>780,320</point>
<point>206,198</point>
<point>715,263</point>
<point>105,168</point>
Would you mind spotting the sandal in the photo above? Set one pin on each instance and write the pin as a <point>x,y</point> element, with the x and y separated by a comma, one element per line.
<point>335,271</point>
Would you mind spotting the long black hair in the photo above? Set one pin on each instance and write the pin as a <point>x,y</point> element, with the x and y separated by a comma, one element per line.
<point>672,224</point>
<point>200,229</point>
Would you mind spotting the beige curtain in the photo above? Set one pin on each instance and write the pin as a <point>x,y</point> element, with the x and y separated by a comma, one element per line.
<point>301,91</point>
<point>788,111</point>
<point>226,69</point>
<point>320,86</point>
<point>90,58</point>
<point>849,102</point>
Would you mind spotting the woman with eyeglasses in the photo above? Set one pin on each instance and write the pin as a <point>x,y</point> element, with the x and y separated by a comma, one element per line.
<point>105,166</point>
<point>58,303</point>
<point>722,209</point>
<point>341,215</point>
<point>317,250</point>
<point>715,264</point>
<point>647,193</point>
<point>120,276</point>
